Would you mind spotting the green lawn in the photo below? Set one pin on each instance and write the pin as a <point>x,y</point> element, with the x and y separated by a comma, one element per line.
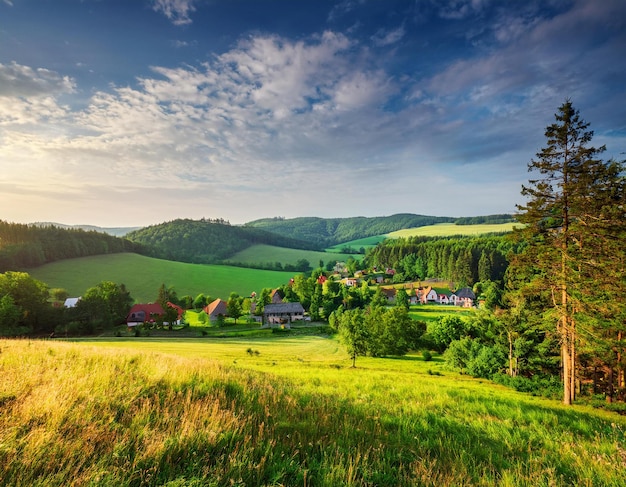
<point>261,254</point>
<point>143,276</point>
<point>281,410</point>
<point>432,312</point>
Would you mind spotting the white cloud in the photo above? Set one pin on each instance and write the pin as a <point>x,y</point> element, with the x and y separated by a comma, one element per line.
<point>17,80</point>
<point>178,11</point>
<point>387,37</point>
<point>270,122</point>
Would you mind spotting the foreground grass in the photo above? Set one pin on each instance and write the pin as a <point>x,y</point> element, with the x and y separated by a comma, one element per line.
<point>143,276</point>
<point>194,413</point>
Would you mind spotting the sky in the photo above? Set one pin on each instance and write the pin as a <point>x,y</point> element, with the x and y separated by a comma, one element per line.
<point>136,112</point>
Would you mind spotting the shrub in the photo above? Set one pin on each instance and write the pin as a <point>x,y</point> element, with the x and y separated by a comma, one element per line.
<point>538,385</point>
<point>471,356</point>
<point>427,356</point>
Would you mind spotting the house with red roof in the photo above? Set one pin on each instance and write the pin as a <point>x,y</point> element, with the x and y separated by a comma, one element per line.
<point>144,313</point>
<point>150,313</point>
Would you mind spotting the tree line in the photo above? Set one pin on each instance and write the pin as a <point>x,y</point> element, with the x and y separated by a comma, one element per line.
<point>464,260</point>
<point>23,246</point>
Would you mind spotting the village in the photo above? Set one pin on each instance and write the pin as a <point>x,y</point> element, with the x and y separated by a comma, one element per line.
<point>282,312</point>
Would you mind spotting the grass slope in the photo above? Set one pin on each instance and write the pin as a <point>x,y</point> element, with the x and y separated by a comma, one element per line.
<point>260,254</point>
<point>438,230</point>
<point>451,229</point>
<point>209,412</point>
<point>143,276</point>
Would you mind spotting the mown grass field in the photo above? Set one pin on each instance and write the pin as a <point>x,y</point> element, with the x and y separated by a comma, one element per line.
<point>261,254</point>
<point>281,411</point>
<point>439,230</point>
<point>450,229</point>
<point>143,276</point>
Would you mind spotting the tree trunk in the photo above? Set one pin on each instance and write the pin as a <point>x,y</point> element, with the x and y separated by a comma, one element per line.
<point>510,337</point>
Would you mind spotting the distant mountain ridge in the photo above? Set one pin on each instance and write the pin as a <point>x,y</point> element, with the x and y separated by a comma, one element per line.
<point>115,231</point>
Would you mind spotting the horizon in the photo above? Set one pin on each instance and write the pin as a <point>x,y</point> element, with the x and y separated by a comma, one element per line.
<point>131,114</point>
<point>232,223</point>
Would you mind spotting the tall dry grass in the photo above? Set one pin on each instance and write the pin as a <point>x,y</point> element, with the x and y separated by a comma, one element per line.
<point>78,414</point>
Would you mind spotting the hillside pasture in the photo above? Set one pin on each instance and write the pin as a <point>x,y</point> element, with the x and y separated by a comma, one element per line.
<point>356,245</point>
<point>429,313</point>
<point>451,229</point>
<point>263,254</point>
<point>143,276</point>
<point>209,412</point>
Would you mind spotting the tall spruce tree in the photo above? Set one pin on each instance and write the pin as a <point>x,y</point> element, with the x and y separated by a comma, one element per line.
<point>571,201</point>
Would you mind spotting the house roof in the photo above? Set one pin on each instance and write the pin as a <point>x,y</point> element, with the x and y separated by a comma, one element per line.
<point>71,302</point>
<point>465,293</point>
<point>217,305</point>
<point>178,309</point>
<point>283,308</point>
<point>148,308</point>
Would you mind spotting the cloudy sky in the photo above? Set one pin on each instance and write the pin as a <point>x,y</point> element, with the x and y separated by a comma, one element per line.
<point>135,112</point>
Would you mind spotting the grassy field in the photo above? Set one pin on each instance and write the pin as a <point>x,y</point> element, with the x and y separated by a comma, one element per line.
<point>450,229</point>
<point>143,276</point>
<point>439,230</point>
<point>429,313</point>
<point>281,410</point>
<point>357,244</point>
<point>267,253</point>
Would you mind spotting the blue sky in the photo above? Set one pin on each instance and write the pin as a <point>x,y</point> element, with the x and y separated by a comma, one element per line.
<point>135,112</point>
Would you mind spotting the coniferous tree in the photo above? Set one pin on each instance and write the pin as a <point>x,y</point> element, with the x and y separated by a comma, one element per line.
<point>559,217</point>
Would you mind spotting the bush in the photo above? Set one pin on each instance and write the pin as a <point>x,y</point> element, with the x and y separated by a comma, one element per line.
<point>538,385</point>
<point>427,356</point>
<point>446,330</point>
<point>470,356</point>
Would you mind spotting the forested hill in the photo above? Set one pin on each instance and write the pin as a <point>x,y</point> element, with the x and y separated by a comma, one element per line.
<point>206,241</point>
<point>326,232</point>
<point>23,246</point>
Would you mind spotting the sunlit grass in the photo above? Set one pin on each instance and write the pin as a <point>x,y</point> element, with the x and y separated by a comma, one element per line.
<point>450,229</point>
<point>280,410</point>
<point>144,275</point>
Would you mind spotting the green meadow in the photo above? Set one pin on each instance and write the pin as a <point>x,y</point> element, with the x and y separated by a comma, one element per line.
<point>143,276</point>
<point>261,254</point>
<point>355,245</point>
<point>429,313</point>
<point>438,230</point>
<point>451,229</point>
<point>281,411</point>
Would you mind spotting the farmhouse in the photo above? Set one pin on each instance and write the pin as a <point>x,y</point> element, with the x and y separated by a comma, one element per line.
<point>427,295</point>
<point>144,313</point>
<point>216,309</point>
<point>282,314</point>
<point>465,297</point>
<point>150,313</point>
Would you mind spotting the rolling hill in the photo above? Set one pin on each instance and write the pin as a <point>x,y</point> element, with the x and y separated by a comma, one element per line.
<point>143,275</point>
<point>206,241</point>
<point>326,232</point>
